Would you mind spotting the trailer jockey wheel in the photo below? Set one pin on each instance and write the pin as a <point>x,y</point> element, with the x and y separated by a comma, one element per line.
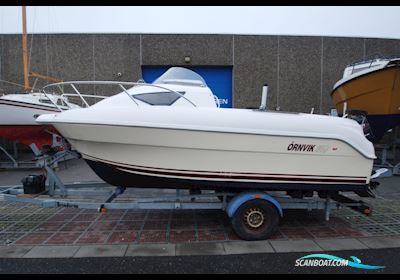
<point>255,219</point>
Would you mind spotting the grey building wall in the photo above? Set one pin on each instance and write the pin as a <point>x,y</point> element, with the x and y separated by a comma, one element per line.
<point>210,50</point>
<point>255,63</point>
<point>299,70</point>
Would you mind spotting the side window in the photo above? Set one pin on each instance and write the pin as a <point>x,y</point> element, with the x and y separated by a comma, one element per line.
<point>46,101</point>
<point>159,98</point>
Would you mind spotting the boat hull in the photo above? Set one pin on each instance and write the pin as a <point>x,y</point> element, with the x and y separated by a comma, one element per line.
<point>380,124</point>
<point>28,134</point>
<point>154,157</point>
<point>21,113</point>
<point>116,176</point>
<point>377,93</point>
<point>17,123</point>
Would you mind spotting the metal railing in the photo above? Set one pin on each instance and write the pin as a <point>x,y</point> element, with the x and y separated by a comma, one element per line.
<point>121,85</point>
<point>370,59</point>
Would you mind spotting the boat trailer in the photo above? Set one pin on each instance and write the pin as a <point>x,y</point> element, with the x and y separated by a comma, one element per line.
<point>254,214</point>
<point>14,163</point>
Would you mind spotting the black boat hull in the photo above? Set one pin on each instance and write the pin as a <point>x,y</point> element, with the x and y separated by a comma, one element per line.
<point>380,124</point>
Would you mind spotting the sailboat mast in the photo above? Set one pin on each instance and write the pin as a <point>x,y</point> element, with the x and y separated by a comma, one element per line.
<point>25,49</point>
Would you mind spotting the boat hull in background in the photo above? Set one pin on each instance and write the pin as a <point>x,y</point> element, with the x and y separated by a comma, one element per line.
<point>28,134</point>
<point>380,124</point>
<point>21,113</point>
<point>377,93</point>
<point>17,123</point>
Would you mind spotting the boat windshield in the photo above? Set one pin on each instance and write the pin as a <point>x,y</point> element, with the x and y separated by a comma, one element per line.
<point>180,75</point>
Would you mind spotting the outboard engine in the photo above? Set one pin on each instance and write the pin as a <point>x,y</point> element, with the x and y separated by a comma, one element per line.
<point>361,117</point>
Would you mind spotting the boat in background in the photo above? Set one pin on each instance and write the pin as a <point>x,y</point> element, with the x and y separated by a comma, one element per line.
<point>371,87</point>
<point>171,134</point>
<point>19,111</point>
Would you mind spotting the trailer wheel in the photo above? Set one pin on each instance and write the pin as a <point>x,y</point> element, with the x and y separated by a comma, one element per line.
<point>255,219</point>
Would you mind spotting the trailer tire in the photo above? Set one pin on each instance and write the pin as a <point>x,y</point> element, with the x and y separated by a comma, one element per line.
<point>256,219</point>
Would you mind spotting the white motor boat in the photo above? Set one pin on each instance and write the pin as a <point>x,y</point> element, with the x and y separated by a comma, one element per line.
<point>171,134</point>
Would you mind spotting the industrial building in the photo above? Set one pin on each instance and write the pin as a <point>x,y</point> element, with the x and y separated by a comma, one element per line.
<point>300,70</point>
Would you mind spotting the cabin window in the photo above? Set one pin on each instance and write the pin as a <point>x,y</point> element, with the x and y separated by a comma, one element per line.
<point>45,101</point>
<point>60,102</point>
<point>159,98</point>
<point>355,70</point>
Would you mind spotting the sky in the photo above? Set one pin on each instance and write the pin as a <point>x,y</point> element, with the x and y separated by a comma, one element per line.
<point>347,21</point>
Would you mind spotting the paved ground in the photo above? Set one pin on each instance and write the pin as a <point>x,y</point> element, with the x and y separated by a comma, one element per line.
<point>244,263</point>
<point>69,171</point>
<point>29,225</point>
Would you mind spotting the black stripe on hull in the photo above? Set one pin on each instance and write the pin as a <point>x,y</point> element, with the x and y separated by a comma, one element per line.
<point>232,175</point>
<point>28,105</point>
<point>117,177</point>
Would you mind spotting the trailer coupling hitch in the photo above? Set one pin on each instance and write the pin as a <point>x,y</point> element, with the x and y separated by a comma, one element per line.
<point>379,172</point>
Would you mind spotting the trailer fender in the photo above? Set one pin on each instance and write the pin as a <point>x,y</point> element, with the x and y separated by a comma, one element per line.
<point>238,200</point>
